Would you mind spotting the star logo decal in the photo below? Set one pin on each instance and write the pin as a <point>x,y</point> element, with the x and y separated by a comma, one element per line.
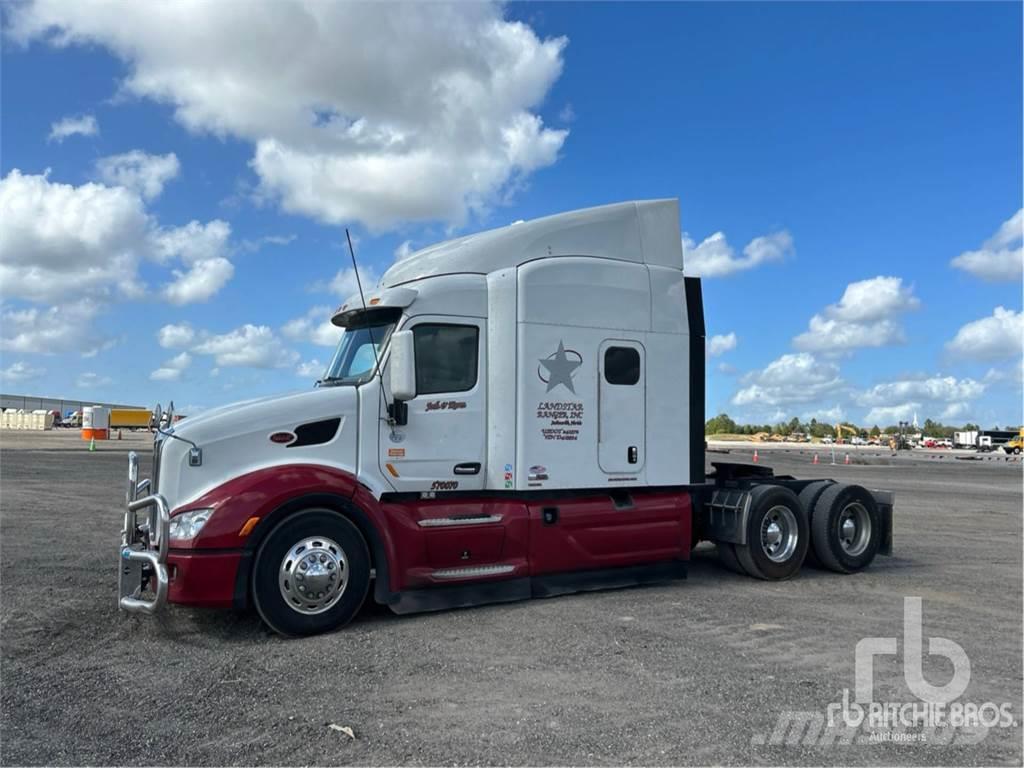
<point>560,367</point>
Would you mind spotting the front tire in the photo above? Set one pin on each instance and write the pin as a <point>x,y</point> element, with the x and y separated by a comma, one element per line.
<point>777,534</point>
<point>311,574</point>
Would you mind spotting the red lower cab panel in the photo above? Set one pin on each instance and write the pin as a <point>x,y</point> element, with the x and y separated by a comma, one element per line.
<point>202,578</point>
<point>421,544</point>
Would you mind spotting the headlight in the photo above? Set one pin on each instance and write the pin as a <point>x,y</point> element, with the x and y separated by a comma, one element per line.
<point>187,525</point>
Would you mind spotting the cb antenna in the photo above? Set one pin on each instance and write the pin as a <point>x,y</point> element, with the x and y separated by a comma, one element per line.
<point>369,328</point>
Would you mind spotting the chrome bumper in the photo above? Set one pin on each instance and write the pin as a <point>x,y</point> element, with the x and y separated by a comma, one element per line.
<point>143,555</point>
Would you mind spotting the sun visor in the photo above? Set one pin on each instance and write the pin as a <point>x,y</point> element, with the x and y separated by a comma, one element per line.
<point>377,299</point>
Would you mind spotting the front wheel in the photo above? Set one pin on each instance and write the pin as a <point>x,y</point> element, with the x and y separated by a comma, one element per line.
<point>311,573</point>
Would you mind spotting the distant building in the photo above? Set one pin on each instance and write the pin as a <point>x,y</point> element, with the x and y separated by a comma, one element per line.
<point>35,403</point>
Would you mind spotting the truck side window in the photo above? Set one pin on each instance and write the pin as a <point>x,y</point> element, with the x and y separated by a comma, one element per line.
<point>446,357</point>
<point>621,365</point>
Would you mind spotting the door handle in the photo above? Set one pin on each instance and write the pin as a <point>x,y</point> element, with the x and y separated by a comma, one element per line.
<point>467,468</point>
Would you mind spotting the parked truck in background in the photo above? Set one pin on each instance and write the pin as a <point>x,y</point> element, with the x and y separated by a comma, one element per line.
<point>965,439</point>
<point>517,413</point>
<point>1015,444</point>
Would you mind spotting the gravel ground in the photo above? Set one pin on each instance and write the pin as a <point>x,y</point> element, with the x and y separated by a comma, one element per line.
<point>697,672</point>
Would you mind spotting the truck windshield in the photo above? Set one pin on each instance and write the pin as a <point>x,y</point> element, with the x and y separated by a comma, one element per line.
<point>354,361</point>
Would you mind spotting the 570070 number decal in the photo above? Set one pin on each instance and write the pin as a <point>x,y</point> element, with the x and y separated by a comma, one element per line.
<point>444,485</point>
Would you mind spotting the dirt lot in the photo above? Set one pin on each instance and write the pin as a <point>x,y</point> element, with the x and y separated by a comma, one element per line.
<point>695,672</point>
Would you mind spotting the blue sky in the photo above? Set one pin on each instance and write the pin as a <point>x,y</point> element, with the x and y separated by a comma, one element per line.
<point>832,162</point>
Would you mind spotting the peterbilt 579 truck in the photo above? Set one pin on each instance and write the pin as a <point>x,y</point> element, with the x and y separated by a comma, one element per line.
<point>517,413</point>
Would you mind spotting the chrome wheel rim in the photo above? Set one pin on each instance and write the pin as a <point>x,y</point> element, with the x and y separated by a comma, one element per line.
<point>313,575</point>
<point>779,534</point>
<point>854,529</point>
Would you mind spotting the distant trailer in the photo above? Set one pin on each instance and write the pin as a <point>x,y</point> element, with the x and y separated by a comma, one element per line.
<point>130,418</point>
<point>965,439</point>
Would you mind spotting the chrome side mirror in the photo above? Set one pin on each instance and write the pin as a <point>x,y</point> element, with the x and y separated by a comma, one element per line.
<point>403,366</point>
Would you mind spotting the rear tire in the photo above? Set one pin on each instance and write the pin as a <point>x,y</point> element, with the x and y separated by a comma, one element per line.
<point>777,534</point>
<point>808,498</point>
<point>311,574</point>
<point>846,528</point>
<point>727,557</point>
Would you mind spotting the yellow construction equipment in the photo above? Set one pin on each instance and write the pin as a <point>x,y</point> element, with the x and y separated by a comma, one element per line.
<point>840,428</point>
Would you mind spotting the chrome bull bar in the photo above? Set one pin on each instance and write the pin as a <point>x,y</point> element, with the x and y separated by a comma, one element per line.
<point>143,544</point>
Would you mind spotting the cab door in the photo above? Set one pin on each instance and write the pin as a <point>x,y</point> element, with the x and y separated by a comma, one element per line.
<point>621,404</point>
<point>442,447</point>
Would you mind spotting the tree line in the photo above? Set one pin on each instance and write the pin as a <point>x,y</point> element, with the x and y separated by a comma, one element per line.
<point>723,425</point>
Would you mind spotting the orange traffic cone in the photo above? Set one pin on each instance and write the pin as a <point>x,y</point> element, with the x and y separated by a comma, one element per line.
<point>815,459</point>
<point>847,460</point>
<point>755,455</point>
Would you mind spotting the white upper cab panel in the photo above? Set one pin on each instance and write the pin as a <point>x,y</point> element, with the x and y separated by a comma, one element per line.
<point>585,292</point>
<point>642,232</point>
<point>611,237</point>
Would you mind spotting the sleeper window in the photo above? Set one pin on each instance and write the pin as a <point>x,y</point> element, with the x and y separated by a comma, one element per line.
<point>621,365</point>
<point>446,358</point>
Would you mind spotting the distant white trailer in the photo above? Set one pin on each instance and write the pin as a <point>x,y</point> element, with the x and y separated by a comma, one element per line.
<point>966,439</point>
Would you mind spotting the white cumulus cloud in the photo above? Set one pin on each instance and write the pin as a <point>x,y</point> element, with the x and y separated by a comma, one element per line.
<point>935,388</point>
<point>251,346</point>
<point>172,369</point>
<point>315,326</point>
<point>1001,257</point>
<point>714,257</point>
<point>344,284</point>
<point>175,336</point>
<point>92,380</point>
<point>58,239</point>
<point>64,328</point>
<point>720,344</point>
<point>887,415</point>
<point>832,415</point>
<point>310,369</point>
<point>866,316</point>
<point>792,378</point>
<point>200,282</point>
<point>75,125</point>
<point>18,372</point>
<point>138,171</point>
<point>376,112</point>
<point>990,338</point>
<point>77,248</point>
<point>946,397</point>
<point>200,247</point>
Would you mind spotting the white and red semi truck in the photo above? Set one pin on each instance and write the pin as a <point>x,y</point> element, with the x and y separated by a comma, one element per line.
<point>517,413</point>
